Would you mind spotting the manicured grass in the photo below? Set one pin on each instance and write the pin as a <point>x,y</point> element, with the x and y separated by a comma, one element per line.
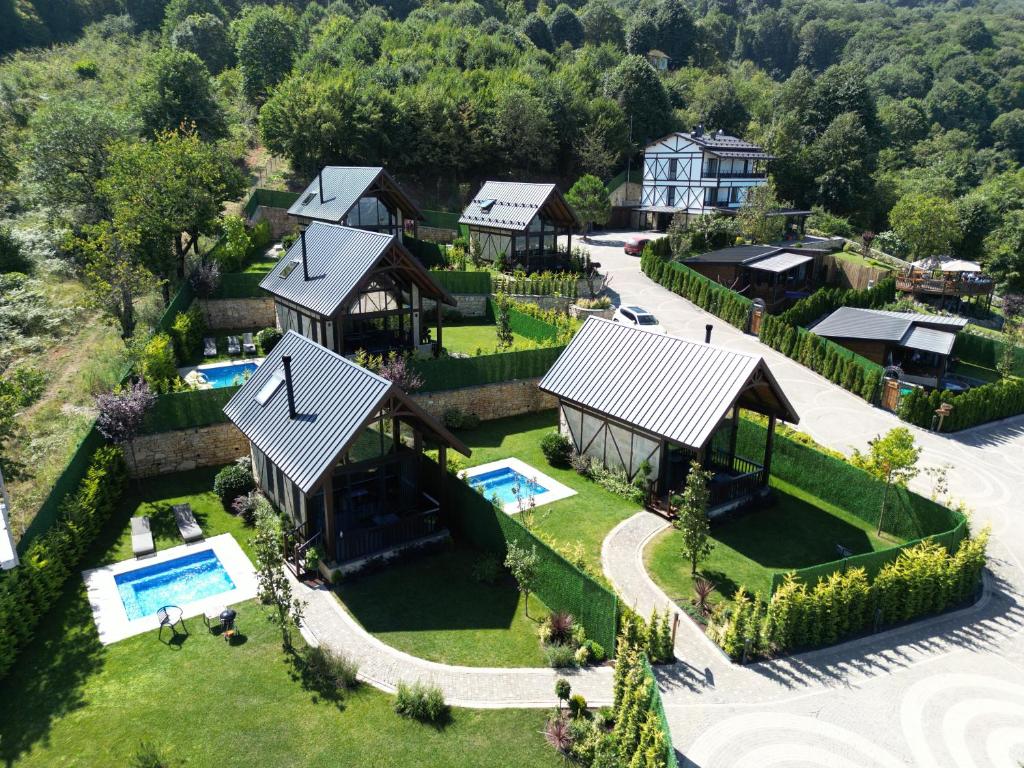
<point>582,520</point>
<point>432,607</point>
<point>797,531</point>
<point>973,371</point>
<point>71,701</point>
<point>467,339</point>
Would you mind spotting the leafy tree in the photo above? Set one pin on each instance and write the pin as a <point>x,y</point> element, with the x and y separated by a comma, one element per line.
<point>122,412</point>
<point>523,564</point>
<point>590,199</point>
<point>563,690</point>
<point>274,588</point>
<point>11,257</point>
<point>753,217</point>
<point>206,36</point>
<point>523,131</point>
<point>958,105</point>
<point>265,45</point>
<point>1005,249</point>
<point>841,159</point>
<point>146,14</point>
<point>892,459</point>
<point>177,11</point>
<point>665,25</point>
<point>503,326</point>
<point>1008,130</point>
<point>538,33</point>
<point>692,522</point>
<point>927,224</point>
<point>68,150</point>
<point>565,27</point>
<point>175,91</point>
<point>821,42</point>
<point>973,35</point>
<point>601,24</point>
<point>640,93</point>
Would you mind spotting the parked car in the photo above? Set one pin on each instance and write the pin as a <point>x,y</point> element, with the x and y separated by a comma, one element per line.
<point>639,318</point>
<point>635,244</point>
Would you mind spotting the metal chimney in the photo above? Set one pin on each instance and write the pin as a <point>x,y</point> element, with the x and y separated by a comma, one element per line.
<point>287,361</point>
<point>320,178</point>
<point>707,333</point>
<point>305,266</point>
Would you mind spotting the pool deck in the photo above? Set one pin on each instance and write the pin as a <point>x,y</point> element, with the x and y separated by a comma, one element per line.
<point>108,611</point>
<point>555,490</point>
<point>190,370</point>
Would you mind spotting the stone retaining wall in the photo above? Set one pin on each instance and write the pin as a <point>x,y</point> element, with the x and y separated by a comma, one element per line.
<point>489,401</point>
<point>557,303</point>
<point>233,314</point>
<point>468,305</point>
<point>186,449</point>
<point>280,222</point>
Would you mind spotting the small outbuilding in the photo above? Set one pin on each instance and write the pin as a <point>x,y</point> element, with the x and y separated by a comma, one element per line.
<point>341,451</point>
<point>919,345</point>
<point>631,400</point>
<point>521,223</point>
<point>357,196</point>
<point>349,289</point>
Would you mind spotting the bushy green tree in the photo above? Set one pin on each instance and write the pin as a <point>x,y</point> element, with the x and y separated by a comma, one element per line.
<point>692,522</point>
<point>206,36</point>
<point>265,45</point>
<point>589,197</point>
<point>175,92</point>
<point>928,225</point>
<point>892,459</point>
<point>640,93</point>
<point>565,26</point>
<point>523,564</point>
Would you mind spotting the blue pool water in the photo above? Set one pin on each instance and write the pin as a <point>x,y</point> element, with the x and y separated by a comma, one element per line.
<point>182,580</point>
<point>227,375</point>
<point>499,482</point>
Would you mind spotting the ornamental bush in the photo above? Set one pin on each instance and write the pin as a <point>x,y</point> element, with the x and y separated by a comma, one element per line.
<point>557,449</point>
<point>267,339</point>
<point>157,365</point>
<point>421,701</point>
<point>187,334</point>
<point>233,481</point>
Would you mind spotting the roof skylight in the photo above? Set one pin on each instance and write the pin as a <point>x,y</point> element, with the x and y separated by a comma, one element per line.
<point>270,387</point>
<point>289,267</point>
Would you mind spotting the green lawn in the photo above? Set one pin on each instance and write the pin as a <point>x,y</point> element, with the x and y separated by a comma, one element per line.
<point>432,607</point>
<point>988,375</point>
<point>585,518</point>
<point>467,339</point>
<point>796,532</point>
<point>71,701</point>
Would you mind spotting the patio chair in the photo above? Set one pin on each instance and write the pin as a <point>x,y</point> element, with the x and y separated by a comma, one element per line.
<point>209,347</point>
<point>248,345</point>
<point>170,616</point>
<point>142,537</point>
<point>187,525</point>
<point>234,347</point>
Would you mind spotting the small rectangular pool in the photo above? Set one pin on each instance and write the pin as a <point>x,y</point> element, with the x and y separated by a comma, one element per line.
<point>174,582</point>
<point>502,483</point>
<point>218,376</point>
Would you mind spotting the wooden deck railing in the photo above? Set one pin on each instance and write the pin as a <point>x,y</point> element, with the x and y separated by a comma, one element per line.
<point>749,479</point>
<point>944,287</point>
<point>362,542</point>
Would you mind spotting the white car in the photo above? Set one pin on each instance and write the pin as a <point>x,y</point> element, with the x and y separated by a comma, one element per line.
<point>638,317</point>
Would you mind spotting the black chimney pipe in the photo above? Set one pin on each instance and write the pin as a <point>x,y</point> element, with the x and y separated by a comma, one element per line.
<point>305,267</point>
<point>707,333</point>
<point>287,361</point>
<point>320,178</point>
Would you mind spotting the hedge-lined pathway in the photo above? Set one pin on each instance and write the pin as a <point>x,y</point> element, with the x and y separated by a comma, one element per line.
<point>326,623</point>
<point>948,691</point>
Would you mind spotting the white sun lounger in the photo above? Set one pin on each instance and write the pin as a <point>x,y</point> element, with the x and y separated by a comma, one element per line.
<point>187,525</point>
<point>234,348</point>
<point>248,345</point>
<point>142,537</point>
<point>210,347</point>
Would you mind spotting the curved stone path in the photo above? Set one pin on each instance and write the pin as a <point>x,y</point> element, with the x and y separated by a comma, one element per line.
<point>327,623</point>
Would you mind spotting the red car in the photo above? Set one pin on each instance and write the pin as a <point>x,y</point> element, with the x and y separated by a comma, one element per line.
<point>635,245</point>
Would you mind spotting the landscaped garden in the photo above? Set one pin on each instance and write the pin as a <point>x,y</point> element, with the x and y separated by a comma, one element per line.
<point>468,338</point>
<point>200,699</point>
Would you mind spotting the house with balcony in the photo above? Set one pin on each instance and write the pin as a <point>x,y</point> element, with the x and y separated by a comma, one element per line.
<point>357,196</point>
<point>349,289</point>
<point>341,451</point>
<point>917,346</point>
<point>700,172</point>
<point>521,223</point>
<point>634,400</point>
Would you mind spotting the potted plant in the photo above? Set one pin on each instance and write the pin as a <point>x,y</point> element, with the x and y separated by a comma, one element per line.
<point>584,308</point>
<point>311,562</point>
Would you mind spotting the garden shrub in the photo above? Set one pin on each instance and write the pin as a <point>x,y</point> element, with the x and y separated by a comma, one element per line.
<point>29,591</point>
<point>267,339</point>
<point>557,449</point>
<point>329,670</point>
<point>157,365</point>
<point>421,701</point>
<point>233,481</point>
<point>577,705</point>
<point>235,246</point>
<point>187,334</point>
<point>560,656</point>
<point>11,257</point>
<point>262,236</point>
<point>22,386</point>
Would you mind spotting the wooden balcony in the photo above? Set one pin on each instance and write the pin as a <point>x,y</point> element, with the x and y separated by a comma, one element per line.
<point>390,531</point>
<point>735,478</point>
<point>948,286</point>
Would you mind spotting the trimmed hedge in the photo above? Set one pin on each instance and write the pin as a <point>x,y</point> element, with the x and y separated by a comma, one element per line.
<point>442,219</point>
<point>29,591</point>
<point>463,282</point>
<point>658,708</point>
<point>240,285</point>
<point>537,285</point>
<point>561,585</point>
<point>430,254</point>
<point>986,352</point>
<point>187,410</point>
<point>456,372</point>
<point>181,301</point>
<point>827,300</point>
<point>702,291</point>
<point>978,405</point>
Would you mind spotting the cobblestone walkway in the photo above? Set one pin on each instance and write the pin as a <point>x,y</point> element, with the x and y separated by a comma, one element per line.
<point>326,623</point>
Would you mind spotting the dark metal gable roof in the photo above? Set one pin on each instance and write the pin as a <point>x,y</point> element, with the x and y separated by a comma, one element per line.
<point>343,186</point>
<point>334,398</point>
<point>338,259</point>
<point>667,386</point>
<point>512,205</point>
<point>880,325</point>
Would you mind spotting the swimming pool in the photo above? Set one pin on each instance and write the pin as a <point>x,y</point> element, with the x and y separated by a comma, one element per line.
<point>232,375</point>
<point>179,581</point>
<point>501,483</point>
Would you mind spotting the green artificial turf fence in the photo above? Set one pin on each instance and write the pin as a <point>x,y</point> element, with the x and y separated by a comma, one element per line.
<point>986,352</point>
<point>188,410</point>
<point>561,585</point>
<point>478,283</point>
<point>455,372</point>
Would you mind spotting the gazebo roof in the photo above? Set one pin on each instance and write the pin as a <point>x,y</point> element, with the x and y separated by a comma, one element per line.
<point>512,205</point>
<point>343,186</point>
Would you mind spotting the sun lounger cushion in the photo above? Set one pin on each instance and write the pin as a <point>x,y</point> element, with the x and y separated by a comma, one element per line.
<point>142,537</point>
<point>187,525</point>
<point>233,346</point>
<point>210,347</point>
<point>247,343</point>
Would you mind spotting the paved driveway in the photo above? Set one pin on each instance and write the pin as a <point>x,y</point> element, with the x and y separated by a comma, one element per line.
<point>949,692</point>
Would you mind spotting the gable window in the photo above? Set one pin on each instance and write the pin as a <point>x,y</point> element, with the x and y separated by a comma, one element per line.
<point>673,166</point>
<point>711,166</point>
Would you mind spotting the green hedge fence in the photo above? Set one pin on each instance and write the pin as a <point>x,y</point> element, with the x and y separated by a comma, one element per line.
<point>240,285</point>
<point>978,405</point>
<point>657,706</point>
<point>188,409</point>
<point>478,283</point>
<point>269,198</point>
<point>702,291</point>
<point>457,372</point>
<point>986,352</point>
<point>561,585</point>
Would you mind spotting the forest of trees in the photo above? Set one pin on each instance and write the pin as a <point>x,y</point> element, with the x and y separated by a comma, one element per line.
<point>863,104</point>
